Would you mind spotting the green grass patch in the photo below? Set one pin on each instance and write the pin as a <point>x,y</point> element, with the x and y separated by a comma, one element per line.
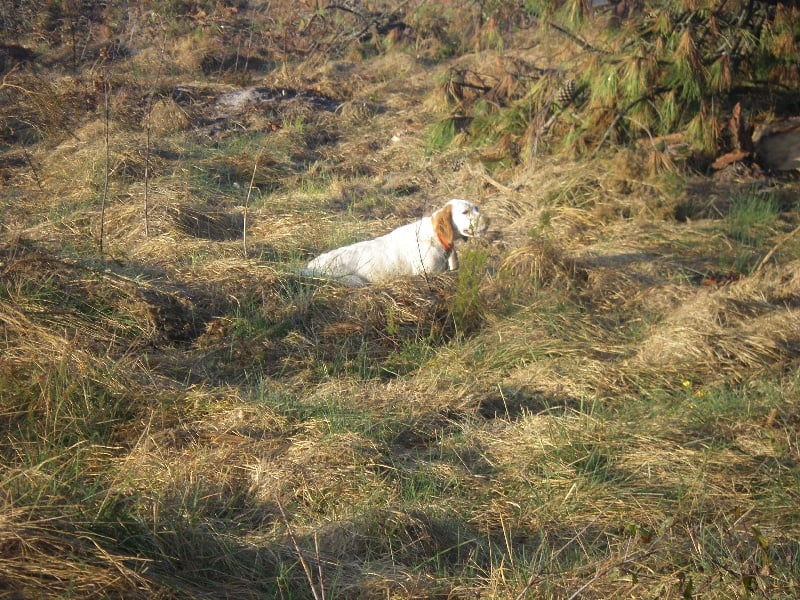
<point>468,305</point>
<point>751,215</point>
<point>441,135</point>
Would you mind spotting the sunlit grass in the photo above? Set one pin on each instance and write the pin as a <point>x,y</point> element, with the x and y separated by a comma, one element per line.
<point>750,216</point>
<point>599,402</point>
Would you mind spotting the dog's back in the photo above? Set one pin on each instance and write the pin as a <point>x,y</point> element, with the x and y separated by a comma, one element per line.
<point>402,252</point>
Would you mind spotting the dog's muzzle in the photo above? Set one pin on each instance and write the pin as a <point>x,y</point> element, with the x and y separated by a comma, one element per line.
<point>479,227</point>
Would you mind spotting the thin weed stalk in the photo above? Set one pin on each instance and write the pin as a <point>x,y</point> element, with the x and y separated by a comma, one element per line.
<point>318,594</point>
<point>247,203</point>
<point>148,142</point>
<point>107,111</point>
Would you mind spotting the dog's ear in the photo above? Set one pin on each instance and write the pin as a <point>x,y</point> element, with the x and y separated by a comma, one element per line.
<point>443,226</point>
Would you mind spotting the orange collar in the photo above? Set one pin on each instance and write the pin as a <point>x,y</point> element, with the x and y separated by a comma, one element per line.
<point>447,246</point>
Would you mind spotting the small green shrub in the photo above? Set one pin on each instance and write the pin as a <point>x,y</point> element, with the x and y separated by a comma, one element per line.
<point>750,215</point>
<point>441,135</point>
<point>468,305</point>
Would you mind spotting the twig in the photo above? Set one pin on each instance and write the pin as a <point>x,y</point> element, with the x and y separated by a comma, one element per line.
<point>345,9</point>
<point>247,203</point>
<point>147,175</point>
<point>567,33</point>
<point>374,19</point>
<point>493,182</point>
<point>4,83</point>
<point>775,248</point>
<point>620,115</point>
<point>106,94</point>
<point>35,172</point>
<point>319,567</point>
<point>147,144</point>
<point>303,562</point>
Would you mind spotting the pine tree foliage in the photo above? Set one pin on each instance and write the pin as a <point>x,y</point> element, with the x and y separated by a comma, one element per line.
<point>657,67</point>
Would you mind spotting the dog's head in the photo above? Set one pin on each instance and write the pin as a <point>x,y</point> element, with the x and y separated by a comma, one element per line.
<point>459,219</point>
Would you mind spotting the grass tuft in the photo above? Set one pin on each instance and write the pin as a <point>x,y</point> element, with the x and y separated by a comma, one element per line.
<point>750,216</point>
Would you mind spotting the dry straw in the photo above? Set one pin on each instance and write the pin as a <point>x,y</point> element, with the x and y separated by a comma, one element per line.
<point>583,409</point>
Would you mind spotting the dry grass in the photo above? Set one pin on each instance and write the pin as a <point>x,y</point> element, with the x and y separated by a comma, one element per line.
<point>600,403</point>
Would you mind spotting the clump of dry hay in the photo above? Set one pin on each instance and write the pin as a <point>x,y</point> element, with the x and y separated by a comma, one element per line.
<point>208,224</point>
<point>97,307</point>
<point>186,54</point>
<point>166,117</point>
<point>537,264</point>
<point>74,171</point>
<point>316,472</point>
<point>49,556</point>
<point>357,111</point>
<point>286,324</point>
<point>307,324</point>
<point>733,331</point>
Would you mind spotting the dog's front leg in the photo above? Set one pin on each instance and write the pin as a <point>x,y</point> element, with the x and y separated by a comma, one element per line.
<point>452,260</point>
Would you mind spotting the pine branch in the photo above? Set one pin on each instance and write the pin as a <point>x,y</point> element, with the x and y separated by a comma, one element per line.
<point>572,36</point>
<point>621,114</point>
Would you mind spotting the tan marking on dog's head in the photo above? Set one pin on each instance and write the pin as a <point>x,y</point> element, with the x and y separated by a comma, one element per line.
<point>443,226</point>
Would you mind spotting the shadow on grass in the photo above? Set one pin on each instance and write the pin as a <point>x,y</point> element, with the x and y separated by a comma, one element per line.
<point>511,404</point>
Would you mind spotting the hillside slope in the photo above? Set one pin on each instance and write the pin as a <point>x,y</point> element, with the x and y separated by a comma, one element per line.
<point>601,402</point>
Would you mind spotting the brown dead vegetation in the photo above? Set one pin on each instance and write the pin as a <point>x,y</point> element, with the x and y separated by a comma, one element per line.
<point>601,402</point>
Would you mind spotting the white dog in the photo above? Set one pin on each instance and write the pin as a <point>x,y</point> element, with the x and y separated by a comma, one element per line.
<point>424,247</point>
